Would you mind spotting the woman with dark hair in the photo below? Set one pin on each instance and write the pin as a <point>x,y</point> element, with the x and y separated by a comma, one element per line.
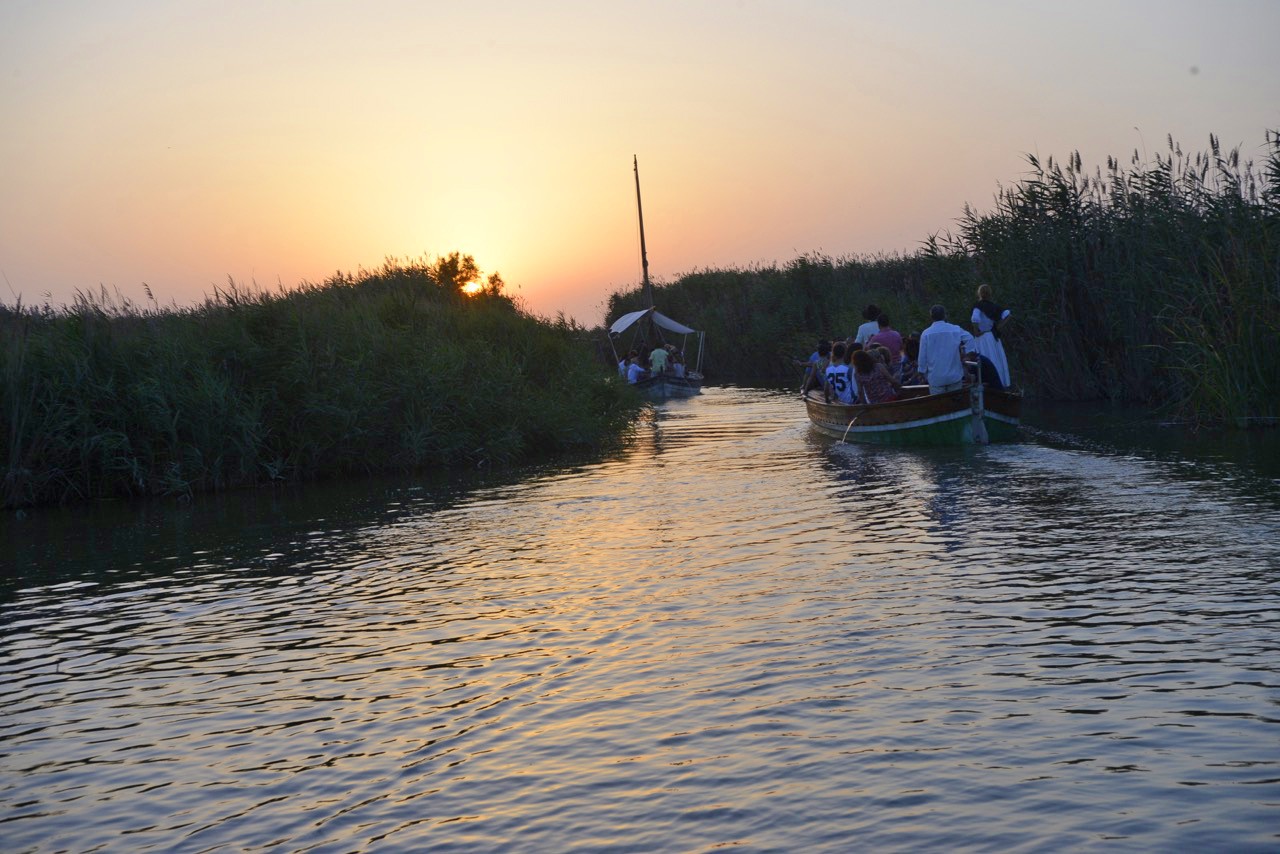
<point>987,319</point>
<point>875,383</point>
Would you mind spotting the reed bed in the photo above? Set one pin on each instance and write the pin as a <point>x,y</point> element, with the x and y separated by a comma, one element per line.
<point>389,369</point>
<point>1156,282</point>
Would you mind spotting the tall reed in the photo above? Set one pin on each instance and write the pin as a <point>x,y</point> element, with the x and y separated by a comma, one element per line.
<point>388,369</point>
<point>1157,282</point>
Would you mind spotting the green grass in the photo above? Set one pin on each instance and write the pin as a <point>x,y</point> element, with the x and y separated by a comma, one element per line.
<point>384,370</point>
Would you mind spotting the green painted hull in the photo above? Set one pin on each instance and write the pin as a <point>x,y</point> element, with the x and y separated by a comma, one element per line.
<point>922,420</point>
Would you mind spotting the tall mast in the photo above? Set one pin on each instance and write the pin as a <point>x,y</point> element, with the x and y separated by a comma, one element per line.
<point>644,255</point>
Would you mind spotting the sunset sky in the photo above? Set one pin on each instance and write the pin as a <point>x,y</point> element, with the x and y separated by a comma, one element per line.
<point>181,143</point>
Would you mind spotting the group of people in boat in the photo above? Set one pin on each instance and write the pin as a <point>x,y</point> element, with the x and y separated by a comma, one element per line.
<point>875,363</point>
<point>663,359</point>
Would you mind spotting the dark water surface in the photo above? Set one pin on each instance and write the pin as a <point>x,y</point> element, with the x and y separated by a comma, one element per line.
<point>734,633</point>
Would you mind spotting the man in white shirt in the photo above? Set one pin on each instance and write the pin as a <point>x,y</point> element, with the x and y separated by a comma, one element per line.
<point>940,348</point>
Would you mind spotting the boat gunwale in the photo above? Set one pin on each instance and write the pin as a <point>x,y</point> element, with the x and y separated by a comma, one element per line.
<point>835,418</point>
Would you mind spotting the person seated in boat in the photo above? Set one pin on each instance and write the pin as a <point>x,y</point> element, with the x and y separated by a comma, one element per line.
<point>839,386</point>
<point>940,348</point>
<point>907,367</point>
<point>815,373</point>
<point>658,360</point>
<point>875,383</point>
<point>677,362</point>
<point>813,357</point>
<point>986,370</point>
<point>870,327</point>
<point>636,371</point>
<point>891,339</point>
<point>624,362</point>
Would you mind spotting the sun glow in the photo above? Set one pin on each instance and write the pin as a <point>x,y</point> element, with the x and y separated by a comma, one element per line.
<point>183,148</point>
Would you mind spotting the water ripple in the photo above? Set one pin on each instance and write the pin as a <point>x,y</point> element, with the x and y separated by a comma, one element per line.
<point>736,633</point>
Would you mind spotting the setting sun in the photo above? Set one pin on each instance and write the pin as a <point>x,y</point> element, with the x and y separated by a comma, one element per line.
<point>182,148</point>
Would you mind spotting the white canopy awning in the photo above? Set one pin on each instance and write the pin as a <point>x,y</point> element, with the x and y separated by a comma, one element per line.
<point>628,320</point>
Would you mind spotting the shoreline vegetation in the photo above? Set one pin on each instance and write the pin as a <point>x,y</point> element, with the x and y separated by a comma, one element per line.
<point>1157,283</point>
<point>414,365</point>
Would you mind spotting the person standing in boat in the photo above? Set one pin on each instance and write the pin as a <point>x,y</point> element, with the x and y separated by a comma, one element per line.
<point>941,346</point>
<point>891,340</point>
<point>987,320</point>
<point>658,360</point>
<point>871,315</point>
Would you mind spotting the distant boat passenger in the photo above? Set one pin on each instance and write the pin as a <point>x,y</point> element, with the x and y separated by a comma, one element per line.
<point>635,372</point>
<point>658,360</point>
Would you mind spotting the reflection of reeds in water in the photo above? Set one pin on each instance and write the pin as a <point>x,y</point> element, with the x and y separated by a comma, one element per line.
<point>394,368</point>
<point>1159,282</point>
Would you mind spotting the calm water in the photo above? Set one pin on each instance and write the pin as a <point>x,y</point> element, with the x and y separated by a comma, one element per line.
<point>734,633</point>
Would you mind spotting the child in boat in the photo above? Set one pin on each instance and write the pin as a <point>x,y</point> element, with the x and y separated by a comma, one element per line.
<point>875,383</point>
<point>910,356</point>
<point>839,381</point>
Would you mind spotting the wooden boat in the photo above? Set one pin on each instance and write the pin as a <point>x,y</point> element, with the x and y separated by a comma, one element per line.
<point>669,383</point>
<point>647,328</point>
<point>971,415</point>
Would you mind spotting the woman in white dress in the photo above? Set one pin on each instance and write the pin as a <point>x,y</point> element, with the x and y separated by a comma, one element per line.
<point>987,320</point>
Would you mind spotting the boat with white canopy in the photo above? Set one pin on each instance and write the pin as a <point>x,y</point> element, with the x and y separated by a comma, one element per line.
<point>680,378</point>
<point>680,374</point>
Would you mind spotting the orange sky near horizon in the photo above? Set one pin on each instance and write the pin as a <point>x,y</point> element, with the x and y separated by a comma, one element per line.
<point>182,143</point>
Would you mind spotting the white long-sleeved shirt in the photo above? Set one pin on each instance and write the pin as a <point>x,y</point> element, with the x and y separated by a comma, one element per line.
<point>940,352</point>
